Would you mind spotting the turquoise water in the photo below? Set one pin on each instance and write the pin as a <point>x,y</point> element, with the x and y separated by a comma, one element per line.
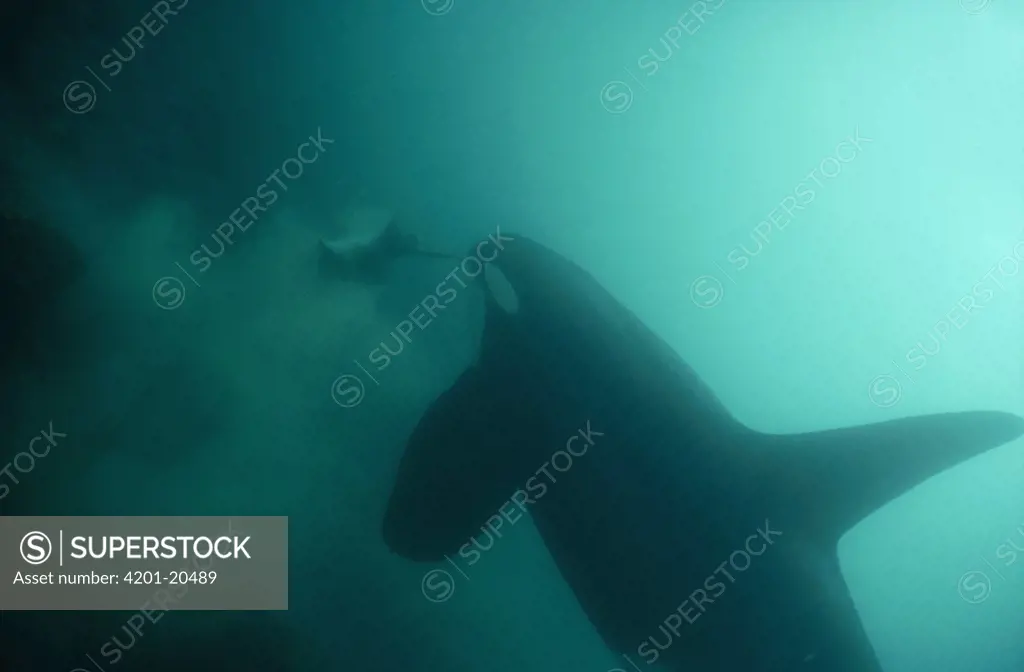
<point>818,205</point>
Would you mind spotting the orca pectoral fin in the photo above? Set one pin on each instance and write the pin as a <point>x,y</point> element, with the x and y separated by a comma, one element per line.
<point>831,480</point>
<point>467,456</point>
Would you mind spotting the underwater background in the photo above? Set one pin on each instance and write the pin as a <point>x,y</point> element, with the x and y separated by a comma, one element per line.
<point>797,196</point>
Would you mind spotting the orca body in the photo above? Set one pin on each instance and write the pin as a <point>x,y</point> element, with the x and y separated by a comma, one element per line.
<point>690,540</point>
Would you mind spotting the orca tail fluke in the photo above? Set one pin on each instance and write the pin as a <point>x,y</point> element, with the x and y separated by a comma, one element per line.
<point>849,473</point>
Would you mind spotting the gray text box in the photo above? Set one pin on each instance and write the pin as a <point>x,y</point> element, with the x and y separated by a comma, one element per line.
<point>99,563</point>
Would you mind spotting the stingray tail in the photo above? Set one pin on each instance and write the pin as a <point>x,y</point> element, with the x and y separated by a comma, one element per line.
<point>437,255</point>
<point>849,473</point>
